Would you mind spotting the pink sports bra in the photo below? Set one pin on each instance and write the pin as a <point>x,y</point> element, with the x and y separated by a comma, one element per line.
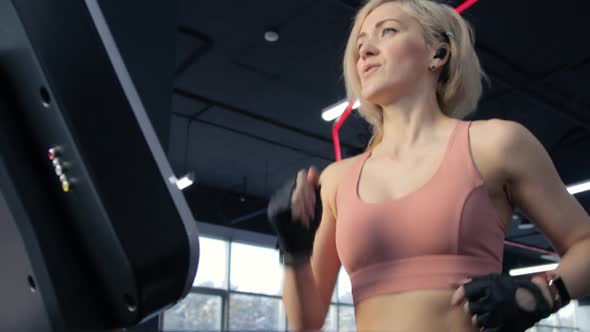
<point>432,238</point>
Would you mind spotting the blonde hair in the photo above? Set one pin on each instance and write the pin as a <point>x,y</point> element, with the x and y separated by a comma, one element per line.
<point>459,87</point>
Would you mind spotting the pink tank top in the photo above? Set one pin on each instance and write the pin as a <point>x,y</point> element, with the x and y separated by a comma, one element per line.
<point>432,238</point>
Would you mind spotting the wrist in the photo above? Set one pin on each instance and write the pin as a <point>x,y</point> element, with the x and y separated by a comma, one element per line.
<point>295,260</point>
<point>554,284</point>
<point>541,282</point>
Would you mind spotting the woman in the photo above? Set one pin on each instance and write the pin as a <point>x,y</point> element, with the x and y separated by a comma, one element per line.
<point>418,220</point>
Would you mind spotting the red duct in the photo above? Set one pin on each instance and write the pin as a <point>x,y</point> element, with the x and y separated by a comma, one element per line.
<point>336,129</point>
<point>531,248</point>
<point>462,7</point>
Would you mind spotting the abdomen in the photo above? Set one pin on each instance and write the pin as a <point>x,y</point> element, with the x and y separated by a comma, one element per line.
<point>415,311</point>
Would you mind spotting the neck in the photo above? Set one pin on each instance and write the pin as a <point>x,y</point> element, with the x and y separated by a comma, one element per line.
<point>410,122</point>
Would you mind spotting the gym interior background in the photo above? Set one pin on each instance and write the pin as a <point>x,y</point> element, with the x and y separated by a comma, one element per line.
<point>252,79</point>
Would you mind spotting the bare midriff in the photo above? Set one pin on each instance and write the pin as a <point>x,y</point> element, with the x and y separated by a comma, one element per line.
<point>415,311</point>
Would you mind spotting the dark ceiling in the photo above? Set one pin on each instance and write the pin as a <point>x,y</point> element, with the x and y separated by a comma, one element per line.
<point>246,112</point>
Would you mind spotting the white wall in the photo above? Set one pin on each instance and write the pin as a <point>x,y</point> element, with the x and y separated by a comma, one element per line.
<point>583,318</point>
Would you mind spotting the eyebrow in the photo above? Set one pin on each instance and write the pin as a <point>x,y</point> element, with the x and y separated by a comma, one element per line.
<point>363,34</point>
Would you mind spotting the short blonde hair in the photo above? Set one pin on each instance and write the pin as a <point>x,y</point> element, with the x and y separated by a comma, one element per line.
<point>460,86</point>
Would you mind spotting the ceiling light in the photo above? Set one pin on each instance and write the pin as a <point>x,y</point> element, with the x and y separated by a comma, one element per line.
<point>554,258</point>
<point>578,188</point>
<point>533,269</point>
<point>185,181</point>
<point>526,226</point>
<point>271,36</point>
<point>334,112</point>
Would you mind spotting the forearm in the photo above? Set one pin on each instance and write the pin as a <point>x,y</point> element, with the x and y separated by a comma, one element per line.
<point>300,297</point>
<point>574,269</point>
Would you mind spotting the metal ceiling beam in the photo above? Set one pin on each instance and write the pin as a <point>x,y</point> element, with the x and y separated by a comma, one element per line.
<point>197,53</point>
<point>253,136</point>
<point>514,78</point>
<point>257,117</point>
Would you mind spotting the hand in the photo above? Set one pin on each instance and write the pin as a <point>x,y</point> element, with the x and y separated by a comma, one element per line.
<point>303,199</point>
<point>294,212</point>
<point>502,303</point>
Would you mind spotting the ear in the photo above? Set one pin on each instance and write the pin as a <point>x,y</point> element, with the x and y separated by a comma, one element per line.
<point>439,62</point>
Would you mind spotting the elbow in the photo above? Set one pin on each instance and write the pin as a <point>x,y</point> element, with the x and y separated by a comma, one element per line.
<point>308,324</point>
<point>307,327</point>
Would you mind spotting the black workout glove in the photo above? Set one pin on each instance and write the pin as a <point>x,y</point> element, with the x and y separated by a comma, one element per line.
<point>295,240</point>
<point>493,299</point>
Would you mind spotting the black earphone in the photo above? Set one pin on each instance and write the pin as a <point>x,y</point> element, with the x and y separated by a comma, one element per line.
<point>440,53</point>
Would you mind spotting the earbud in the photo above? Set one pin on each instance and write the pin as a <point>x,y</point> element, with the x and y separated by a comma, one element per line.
<point>440,53</point>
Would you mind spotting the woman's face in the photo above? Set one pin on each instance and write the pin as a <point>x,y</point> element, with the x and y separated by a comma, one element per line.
<point>393,55</point>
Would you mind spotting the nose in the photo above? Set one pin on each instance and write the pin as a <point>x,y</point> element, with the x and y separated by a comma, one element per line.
<point>368,49</point>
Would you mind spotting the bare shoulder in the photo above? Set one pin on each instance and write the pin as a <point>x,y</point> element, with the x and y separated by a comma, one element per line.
<point>331,176</point>
<point>492,140</point>
<point>498,131</point>
<point>535,184</point>
<point>334,172</point>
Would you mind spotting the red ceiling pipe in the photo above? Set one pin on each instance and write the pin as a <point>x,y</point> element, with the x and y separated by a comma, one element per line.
<point>336,129</point>
<point>531,248</point>
<point>462,7</point>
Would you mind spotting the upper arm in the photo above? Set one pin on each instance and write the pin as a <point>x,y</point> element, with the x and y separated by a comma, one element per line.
<point>325,262</point>
<point>537,189</point>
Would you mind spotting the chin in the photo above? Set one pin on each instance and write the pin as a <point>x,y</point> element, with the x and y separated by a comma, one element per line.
<point>383,94</point>
<point>377,96</point>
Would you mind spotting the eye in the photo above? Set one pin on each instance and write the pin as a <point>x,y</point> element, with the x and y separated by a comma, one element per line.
<point>387,31</point>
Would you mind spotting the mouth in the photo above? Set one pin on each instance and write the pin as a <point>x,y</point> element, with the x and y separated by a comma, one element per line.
<point>369,70</point>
